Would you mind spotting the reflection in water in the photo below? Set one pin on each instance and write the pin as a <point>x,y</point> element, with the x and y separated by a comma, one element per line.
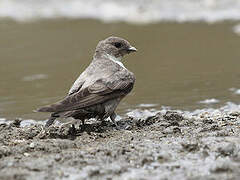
<point>177,65</point>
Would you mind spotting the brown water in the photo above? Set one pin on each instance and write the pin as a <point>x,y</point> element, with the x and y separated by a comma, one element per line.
<point>177,65</point>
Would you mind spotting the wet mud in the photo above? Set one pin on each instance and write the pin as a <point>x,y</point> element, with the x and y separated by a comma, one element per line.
<point>168,145</point>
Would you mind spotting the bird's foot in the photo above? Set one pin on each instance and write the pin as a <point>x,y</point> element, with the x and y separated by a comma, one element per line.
<point>113,117</point>
<point>72,130</point>
<point>103,123</point>
<point>117,126</point>
<point>51,120</point>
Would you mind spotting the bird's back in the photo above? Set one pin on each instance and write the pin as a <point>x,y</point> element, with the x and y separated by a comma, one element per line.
<point>96,71</point>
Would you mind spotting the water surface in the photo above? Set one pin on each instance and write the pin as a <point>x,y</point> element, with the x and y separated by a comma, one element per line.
<point>176,65</point>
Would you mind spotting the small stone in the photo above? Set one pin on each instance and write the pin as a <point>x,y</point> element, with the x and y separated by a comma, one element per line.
<point>128,127</point>
<point>190,147</point>
<point>227,150</point>
<point>93,171</point>
<point>236,113</point>
<point>173,116</point>
<point>222,167</point>
<point>26,154</point>
<point>16,123</point>
<point>58,157</point>
<point>146,160</point>
<point>163,157</point>
<point>32,145</point>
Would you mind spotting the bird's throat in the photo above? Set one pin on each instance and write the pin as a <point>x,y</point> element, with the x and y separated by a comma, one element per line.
<point>116,60</point>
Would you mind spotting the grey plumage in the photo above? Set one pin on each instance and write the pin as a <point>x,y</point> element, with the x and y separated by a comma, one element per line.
<point>99,89</point>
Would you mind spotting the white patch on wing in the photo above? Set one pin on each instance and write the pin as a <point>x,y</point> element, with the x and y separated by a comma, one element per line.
<point>116,60</point>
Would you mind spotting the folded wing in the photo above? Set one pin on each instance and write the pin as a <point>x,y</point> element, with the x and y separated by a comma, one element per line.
<point>99,92</point>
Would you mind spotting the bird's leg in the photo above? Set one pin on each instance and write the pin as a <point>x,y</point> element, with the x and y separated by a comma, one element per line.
<point>102,120</point>
<point>82,126</point>
<point>83,122</point>
<point>112,117</point>
<point>49,122</point>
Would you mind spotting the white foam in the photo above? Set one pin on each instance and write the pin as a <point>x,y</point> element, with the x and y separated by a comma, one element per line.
<point>144,11</point>
<point>209,101</point>
<point>215,113</point>
<point>235,91</point>
<point>147,105</point>
<point>228,108</point>
<point>2,120</point>
<point>28,122</point>
<point>34,77</point>
<point>143,114</point>
<point>236,29</point>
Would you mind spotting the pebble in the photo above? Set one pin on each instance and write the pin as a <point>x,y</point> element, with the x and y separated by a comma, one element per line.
<point>32,145</point>
<point>26,154</point>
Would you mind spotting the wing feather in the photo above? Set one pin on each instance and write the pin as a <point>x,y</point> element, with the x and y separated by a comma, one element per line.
<point>99,92</point>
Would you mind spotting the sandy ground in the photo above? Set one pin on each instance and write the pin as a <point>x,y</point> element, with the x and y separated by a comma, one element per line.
<point>169,145</point>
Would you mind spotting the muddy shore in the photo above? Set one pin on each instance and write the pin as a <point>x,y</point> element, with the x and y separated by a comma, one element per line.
<point>169,145</point>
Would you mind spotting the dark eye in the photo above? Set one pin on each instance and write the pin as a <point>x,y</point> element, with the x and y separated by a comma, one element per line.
<point>117,45</point>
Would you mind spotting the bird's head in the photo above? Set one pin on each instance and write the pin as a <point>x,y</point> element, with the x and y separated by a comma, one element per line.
<point>115,47</point>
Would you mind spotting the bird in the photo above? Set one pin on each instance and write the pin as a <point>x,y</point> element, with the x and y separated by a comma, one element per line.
<point>100,87</point>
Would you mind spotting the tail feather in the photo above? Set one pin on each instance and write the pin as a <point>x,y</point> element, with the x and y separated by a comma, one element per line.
<point>49,108</point>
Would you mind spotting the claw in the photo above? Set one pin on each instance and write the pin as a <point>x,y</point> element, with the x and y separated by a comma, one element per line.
<point>113,116</point>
